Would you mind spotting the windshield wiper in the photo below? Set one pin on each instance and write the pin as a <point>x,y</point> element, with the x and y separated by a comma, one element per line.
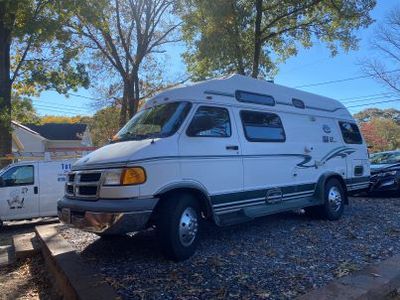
<point>138,137</point>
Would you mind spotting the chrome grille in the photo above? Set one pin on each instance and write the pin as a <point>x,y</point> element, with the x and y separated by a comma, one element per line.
<point>83,184</point>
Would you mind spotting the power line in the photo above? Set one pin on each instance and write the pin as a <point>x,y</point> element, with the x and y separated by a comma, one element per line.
<point>367,99</point>
<point>373,103</point>
<point>77,109</point>
<point>342,80</point>
<point>41,102</point>
<point>84,97</point>
<point>366,96</point>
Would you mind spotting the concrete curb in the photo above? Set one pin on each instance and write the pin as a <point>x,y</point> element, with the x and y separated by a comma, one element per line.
<point>7,255</point>
<point>376,281</point>
<point>25,245</point>
<point>73,278</point>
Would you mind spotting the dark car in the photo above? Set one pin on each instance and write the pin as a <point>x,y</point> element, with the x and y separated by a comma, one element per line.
<point>385,171</point>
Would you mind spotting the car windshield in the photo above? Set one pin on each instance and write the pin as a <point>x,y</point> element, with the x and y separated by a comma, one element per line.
<point>154,122</point>
<point>385,158</point>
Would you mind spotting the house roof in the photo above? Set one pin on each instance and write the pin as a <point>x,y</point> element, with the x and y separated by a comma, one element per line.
<point>59,131</point>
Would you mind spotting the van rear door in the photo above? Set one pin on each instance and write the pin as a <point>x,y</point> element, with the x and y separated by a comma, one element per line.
<point>357,163</point>
<point>52,183</point>
<point>19,197</point>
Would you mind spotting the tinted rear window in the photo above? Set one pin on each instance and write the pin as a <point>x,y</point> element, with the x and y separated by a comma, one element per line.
<point>248,97</point>
<point>262,127</point>
<point>350,132</point>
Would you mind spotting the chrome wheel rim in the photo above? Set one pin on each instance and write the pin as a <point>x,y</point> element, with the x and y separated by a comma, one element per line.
<point>188,227</point>
<point>335,198</point>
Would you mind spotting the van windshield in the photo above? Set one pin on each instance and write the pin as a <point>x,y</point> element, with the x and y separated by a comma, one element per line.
<point>154,122</point>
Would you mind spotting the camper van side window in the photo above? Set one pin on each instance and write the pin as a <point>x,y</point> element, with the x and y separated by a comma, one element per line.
<point>248,97</point>
<point>262,127</point>
<point>16,176</point>
<point>350,132</point>
<point>210,121</point>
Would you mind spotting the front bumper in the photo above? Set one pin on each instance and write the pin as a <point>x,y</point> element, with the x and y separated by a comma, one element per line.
<point>382,184</point>
<point>106,216</point>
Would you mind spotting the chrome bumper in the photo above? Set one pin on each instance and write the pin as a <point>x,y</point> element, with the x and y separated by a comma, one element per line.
<point>106,216</point>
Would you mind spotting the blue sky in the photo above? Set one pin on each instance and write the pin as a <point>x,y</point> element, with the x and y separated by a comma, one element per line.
<point>310,66</point>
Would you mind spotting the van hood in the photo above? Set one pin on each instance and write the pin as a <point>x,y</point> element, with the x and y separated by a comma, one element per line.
<point>121,153</point>
<point>376,168</point>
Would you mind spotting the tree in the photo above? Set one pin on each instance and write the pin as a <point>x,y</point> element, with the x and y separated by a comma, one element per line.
<point>34,55</point>
<point>250,37</point>
<point>23,111</point>
<point>385,67</point>
<point>64,119</point>
<point>104,125</point>
<point>123,35</point>
<point>381,134</point>
<point>372,113</point>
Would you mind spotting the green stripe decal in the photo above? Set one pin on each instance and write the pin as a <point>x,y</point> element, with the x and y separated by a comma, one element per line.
<point>247,195</point>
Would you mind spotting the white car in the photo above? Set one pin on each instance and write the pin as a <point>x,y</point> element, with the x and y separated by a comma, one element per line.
<point>228,150</point>
<point>31,189</point>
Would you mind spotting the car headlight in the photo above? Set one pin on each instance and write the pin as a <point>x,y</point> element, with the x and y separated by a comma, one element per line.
<point>389,173</point>
<point>126,176</point>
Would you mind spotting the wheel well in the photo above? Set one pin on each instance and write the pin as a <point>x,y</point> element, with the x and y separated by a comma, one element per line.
<point>203,199</point>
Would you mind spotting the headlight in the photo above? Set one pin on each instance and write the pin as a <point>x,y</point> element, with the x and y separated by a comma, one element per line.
<point>127,176</point>
<point>389,173</point>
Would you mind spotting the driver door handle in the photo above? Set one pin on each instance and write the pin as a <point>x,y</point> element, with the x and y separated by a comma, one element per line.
<point>232,147</point>
<point>35,190</point>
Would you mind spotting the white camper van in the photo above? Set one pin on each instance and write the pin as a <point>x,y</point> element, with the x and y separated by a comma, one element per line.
<point>228,150</point>
<point>30,189</point>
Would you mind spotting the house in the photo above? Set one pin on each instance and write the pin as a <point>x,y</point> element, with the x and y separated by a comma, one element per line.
<point>58,139</point>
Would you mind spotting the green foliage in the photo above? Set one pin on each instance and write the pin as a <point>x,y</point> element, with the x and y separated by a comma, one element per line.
<point>221,35</point>
<point>381,134</point>
<point>104,125</point>
<point>43,55</point>
<point>23,111</point>
<point>64,119</point>
<point>372,113</point>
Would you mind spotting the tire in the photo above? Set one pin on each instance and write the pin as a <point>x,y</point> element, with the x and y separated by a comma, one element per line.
<point>177,226</point>
<point>1,224</point>
<point>334,201</point>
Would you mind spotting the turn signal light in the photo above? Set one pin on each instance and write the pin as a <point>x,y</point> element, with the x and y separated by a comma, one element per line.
<point>132,176</point>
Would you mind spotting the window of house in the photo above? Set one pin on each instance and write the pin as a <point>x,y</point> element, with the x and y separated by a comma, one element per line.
<point>210,121</point>
<point>262,127</point>
<point>350,132</point>
<point>22,175</point>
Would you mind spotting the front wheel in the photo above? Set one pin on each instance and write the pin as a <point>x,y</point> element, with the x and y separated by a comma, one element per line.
<point>334,200</point>
<point>178,226</point>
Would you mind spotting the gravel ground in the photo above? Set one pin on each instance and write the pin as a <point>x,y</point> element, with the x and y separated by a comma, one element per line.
<point>26,280</point>
<point>275,257</point>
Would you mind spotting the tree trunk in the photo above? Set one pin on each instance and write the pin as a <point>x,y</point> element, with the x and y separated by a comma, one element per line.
<point>137,94</point>
<point>257,40</point>
<point>5,88</point>
<point>123,112</point>
<point>128,101</point>
<point>130,93</point>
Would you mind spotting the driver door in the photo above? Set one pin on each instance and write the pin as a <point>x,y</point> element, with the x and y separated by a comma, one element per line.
<point>19,197</point>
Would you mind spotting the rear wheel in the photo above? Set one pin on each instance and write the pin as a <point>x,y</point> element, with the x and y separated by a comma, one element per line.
<point>177,226</point>
<point>334,200</point>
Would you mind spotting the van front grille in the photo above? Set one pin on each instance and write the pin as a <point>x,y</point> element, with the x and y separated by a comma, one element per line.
<point>83,184</point>
<point>87,190</point>
<point>71,177</point>
<point>90,177</point>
